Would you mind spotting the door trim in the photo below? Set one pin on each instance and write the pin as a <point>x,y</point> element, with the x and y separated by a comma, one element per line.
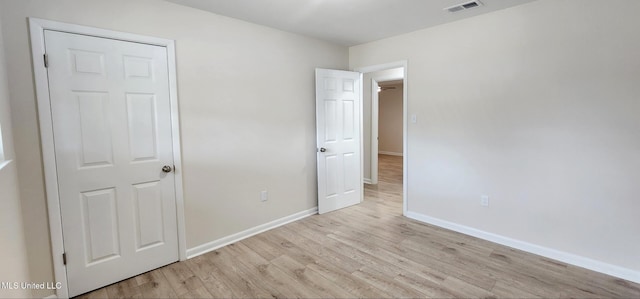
<point>405,119</point>
<point>375,114</point>
<point>37,28</point>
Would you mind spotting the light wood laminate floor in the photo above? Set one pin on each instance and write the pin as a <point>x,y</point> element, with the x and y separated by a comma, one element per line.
<point>368,251</point>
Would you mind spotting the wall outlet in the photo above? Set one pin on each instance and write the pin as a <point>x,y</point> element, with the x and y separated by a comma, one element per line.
<point>484,200</point>
<point>264,195</point>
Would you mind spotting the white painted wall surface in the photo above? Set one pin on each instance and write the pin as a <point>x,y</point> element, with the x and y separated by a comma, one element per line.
<point>536,106</point>
<point>13,257</point>
<point>390,120</point>
<point>247,106</point>
<point>15,267</point>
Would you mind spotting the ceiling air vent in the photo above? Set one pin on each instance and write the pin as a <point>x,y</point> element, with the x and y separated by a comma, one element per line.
<point>464,6</point>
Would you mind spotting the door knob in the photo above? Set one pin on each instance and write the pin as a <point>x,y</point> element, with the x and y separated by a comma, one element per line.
<point>322,149</point>
<point>167,168</point>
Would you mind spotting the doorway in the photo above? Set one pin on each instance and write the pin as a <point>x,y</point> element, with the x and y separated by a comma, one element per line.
<point>390,152</point>
<point>385,145</point>
<point>389,120</point>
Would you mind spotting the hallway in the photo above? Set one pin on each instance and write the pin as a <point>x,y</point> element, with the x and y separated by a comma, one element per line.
<point>388,191</point>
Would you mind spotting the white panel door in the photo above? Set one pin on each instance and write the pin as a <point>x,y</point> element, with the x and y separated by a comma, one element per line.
<point>112,134</point>
<point>338,125</point>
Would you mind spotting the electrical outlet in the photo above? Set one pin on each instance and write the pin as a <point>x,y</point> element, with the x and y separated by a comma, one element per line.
<point>264,195</point>
<point>484,200</point>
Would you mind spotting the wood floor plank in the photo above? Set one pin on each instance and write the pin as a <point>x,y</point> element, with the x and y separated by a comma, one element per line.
<point>245,254</point>
<point>313,280</point>
<point>266,250</point>
<point>354,285</point>
<point>99,293</point>
<point>125,289</point>
<point>274,280</point>
<point>287,247</point>
<point>428,287</point>
<point>368,251</point>
<point>143,278</point>
<point>202,268</point>
<point>463,289</point>
<point>292,287</point>
<point>386,282</point>
<point>200,292</point>
<point>157,287</point>
<point>389,253</point>
<point>178,274</point>
<point>316,246</point>
<point>441,263</point>
<point>503,289</point>
<point>217,288</point>
<point>227,269</point>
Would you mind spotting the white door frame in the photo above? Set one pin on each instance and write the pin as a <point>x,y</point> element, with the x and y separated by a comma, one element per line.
<point>374,112</point>
<point>37,28</point>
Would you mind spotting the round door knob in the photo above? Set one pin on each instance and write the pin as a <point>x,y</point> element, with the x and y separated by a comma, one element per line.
<point>322,149</point>
<point>166,168</point>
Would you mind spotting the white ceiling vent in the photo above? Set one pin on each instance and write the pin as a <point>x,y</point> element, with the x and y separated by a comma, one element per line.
<point>464,6</point>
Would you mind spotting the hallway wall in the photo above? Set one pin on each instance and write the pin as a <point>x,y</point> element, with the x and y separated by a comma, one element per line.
<point>390,120</point>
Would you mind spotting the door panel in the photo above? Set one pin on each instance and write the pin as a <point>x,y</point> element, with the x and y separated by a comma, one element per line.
<point>141,110</point>
<point>338,99</point>
<point>149,217</point>
<point>331,183</point>
<point>100,218</point>
<point>350,174</point>
<point>331,116</point>
<point>112,133</point>
<point>348,122</point>
<point>95,134</point>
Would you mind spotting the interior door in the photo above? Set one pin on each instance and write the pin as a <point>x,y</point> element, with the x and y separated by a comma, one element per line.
<point>112,134</point>
<point>338,125</point>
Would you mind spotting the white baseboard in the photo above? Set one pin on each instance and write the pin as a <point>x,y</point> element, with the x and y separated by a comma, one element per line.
<point>569,258</point>
<point>367,181</point>
<point>213,245</point>
<point>390,153</point>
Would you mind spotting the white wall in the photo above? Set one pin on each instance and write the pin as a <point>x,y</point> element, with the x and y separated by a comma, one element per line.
<point>538,107</point>
<point>390,120</point>
<point>13,256</point>
<point>247,106</point>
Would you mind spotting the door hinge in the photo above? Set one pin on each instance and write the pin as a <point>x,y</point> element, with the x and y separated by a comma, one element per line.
<point>46,60</point>
<point>64,258</point>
